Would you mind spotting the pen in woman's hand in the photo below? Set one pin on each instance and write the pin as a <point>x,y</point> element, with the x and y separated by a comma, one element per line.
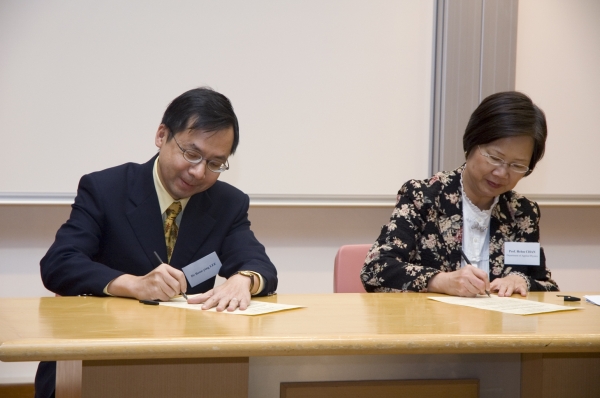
<point>464,256</point>
<point>162,262</point>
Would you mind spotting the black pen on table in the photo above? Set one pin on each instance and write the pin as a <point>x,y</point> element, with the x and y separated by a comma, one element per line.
<point>162,262</point>
<point>462,253</point>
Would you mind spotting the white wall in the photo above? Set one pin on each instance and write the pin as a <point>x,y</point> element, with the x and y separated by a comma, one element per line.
<point>558,58</point>
<point>83,84</point>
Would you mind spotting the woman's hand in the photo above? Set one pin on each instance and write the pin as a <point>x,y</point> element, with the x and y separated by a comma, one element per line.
<point>468,281</point>
<point>508,285</point>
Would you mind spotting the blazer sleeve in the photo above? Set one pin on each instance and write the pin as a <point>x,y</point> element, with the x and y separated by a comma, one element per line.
<point>68,267</point>
<point>242,251</point>
<point>394,262</point>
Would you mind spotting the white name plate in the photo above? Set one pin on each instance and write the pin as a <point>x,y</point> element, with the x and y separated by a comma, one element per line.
<point>522,253</point>
<point>203,269</point>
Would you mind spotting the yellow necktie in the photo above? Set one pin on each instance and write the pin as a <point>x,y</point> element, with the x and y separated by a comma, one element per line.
<point>171,228</point>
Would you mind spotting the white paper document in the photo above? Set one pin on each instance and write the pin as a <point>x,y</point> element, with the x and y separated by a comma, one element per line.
<point>593,299</point>
<point>505,304</point>
<point>255,307</point>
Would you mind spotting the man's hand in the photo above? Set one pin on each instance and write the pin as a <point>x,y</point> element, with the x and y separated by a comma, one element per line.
<point>468,281</point>
<point>508,285</point>
<point>162,283</point>
<point>234,293</point>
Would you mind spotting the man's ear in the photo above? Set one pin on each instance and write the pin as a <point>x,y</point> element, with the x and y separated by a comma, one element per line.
<point>162,134</point>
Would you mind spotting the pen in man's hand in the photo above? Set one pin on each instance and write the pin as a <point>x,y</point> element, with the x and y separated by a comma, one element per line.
<point>462,253</point>
<point>162,262</point>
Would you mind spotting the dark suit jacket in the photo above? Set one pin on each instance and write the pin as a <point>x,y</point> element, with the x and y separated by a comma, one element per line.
<point>116,225</point>
<point>424,237</point>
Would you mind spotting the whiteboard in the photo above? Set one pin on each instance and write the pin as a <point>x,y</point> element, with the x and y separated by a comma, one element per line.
<point>333,97</point>
<point>558,53</point>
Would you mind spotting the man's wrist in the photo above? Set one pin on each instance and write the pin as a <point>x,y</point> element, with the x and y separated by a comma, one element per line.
<point>120,286</point>
<point>255,280</point>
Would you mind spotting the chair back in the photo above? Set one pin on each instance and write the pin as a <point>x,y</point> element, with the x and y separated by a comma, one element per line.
<point>346,268</point>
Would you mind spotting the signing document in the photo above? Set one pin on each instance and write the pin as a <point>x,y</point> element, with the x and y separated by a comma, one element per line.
<point>504,304</point>
<point>255,307</point>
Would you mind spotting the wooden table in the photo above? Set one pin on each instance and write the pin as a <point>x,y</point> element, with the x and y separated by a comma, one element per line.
<point>104,343</point>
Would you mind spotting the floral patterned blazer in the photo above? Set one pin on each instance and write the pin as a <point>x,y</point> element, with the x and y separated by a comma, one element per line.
<point>424,237</point>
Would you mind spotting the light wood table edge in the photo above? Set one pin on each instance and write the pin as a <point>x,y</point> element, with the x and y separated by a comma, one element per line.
<point>66,349</point>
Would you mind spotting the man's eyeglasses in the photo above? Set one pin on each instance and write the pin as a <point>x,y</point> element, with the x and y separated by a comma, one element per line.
<point>496,161</point>
<point>192,156</point>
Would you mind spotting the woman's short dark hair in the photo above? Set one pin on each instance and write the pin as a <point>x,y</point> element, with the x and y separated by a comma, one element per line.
<point>507,114</point>
<point>201,109</point>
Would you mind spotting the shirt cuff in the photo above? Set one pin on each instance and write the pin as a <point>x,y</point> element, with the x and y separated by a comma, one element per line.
<point>105,291</point>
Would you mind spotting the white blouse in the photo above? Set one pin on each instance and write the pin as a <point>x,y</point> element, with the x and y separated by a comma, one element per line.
<point>476,232</point>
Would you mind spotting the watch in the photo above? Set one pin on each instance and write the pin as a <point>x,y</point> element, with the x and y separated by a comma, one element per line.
<point>250,275</point>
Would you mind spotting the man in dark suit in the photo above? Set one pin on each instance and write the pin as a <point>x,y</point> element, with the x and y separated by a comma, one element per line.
<point>172,205</point>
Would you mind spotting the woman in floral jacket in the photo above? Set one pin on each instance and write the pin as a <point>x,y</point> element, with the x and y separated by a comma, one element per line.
<point>472,208</point>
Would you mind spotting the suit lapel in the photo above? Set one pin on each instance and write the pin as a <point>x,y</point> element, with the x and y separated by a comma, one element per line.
<point>195,227</point>
<point>143,214</point>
